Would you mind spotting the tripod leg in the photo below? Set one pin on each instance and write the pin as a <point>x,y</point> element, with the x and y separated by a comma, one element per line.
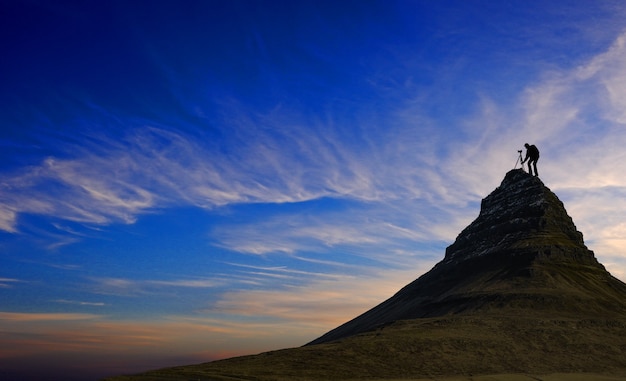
<point>519,160</point>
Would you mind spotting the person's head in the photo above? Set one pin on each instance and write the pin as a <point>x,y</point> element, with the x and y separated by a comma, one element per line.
<point>526,145</point>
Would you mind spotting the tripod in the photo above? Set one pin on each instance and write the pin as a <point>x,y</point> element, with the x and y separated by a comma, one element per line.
<point>519,160</point>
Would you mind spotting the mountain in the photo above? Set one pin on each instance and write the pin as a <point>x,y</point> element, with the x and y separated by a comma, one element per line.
<point>517,292</point>
<point>522,252</point>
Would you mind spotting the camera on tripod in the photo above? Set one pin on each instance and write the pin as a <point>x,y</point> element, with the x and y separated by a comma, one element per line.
<point>519,159</point>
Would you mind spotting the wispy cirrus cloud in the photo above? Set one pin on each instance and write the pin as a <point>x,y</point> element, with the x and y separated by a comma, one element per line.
<point>29,317</point>
<point>116,181</point>
<point>320,303</point>
<point>8,219</point>
<point>9,282</point>
<point>80,303</point>
<point>95,341</point>
<point>384,234</point>
<point>125,286</point>
<point>24,334</point>
<point>285,277</point>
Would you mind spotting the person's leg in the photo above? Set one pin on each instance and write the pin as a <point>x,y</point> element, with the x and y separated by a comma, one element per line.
<point>535,166</point>
<point>530,169</point>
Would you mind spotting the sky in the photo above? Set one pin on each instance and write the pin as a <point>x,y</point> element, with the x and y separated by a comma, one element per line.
<point>183,181</point>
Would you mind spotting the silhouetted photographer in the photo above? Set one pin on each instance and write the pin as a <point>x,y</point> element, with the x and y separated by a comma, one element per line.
<point>532,155</point>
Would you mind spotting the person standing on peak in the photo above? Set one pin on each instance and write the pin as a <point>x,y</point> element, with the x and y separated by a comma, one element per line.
<point>532,155</point>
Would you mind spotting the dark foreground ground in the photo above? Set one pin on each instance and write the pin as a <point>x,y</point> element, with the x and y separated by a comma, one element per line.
<point>495,377</point>
<point>446,348</point>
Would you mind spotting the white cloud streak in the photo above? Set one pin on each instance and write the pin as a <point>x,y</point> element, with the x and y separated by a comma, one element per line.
<point>390,235</point>
<point>29,317</point>
<point>320,303</point>
<point>9,282</point>
<point>131,287</point>
<point>80,303</point>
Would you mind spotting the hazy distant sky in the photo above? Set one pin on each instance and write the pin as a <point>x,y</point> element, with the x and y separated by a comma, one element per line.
<point>182,181</point>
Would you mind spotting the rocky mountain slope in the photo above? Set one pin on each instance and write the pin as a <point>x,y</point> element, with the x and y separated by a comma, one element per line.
<point>517,292</point>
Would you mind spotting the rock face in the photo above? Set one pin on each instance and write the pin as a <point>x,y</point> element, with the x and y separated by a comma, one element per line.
<point>522,253</point>
<point>521,215</point>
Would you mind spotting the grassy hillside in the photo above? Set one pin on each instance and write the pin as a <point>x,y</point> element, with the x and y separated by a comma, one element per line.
<point>435,348</point>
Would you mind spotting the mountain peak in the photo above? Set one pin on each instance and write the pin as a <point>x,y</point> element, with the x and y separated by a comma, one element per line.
<point>521,214</point>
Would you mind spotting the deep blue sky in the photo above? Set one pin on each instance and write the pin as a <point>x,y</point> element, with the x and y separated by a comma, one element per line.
<point>185,181</point>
